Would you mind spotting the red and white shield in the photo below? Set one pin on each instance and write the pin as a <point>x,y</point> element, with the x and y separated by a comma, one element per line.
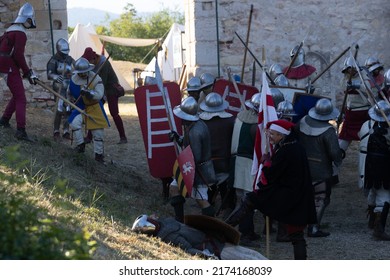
<point>227,91</point>
<point>153,119</point>
<point>186,173</point>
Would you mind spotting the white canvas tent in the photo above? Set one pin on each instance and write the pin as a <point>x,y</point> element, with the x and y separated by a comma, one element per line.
<point>171,58</point>
<point>85,36</point>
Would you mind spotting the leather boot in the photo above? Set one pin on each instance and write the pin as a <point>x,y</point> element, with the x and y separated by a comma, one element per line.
<point>299,245</point>
<point>245,208</point>
<point>177,203</point>
<point>21,134</point>
<point>208,211</point>
<point>380,224</point>
<point>4,123</point>
<point>80,148</point>
<point>99,158</point>
<point>282,235</point>
<point>371,216</point>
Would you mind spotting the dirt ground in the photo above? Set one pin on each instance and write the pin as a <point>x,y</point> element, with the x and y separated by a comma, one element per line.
<point>345,217</point>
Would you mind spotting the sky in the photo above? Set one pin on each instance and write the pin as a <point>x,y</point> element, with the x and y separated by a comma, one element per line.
<point>116,6</point>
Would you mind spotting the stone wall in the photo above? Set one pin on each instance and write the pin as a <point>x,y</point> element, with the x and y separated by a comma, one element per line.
<point>40,45</point>
<point>327,28</point>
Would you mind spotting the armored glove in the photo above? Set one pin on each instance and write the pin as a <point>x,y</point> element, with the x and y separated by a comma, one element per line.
<point>31,76</point>
<point>173,136</point>
<point>87,93</point>
<point>59,79</point>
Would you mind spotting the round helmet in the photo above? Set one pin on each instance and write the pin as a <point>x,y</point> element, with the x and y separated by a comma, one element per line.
<point>187,110</point>
<point>82,66</point>
<point>142,225</point>
<point>375,112</point>
<point>324,110</point>
<point>285,109</point>
<point>275,70</point>
<point>300,60</point>
<point>348,63</point>
<point>214,103</point>
<point>372,63</point>
<point>206,80</point>
<point>277,96</point>
<point>387,78</point>
<point>26,12</point>
<point>194,84</point>
<point>281,80</point>
<point>254,102</point>
<point>62,46</point>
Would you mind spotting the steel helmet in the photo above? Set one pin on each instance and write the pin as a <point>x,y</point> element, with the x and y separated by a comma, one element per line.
<point>206,80</point>
<point>62,46</point>
<point>142,225</point>
<point>285,109</point>
<point>375,111</point>
<point>26,12</point>
<point>387,77</point>
<point>324,110</point>
<point>275,70</point>
<point>149,80</point>
<point>214,103</point>
<point>254,102</point>
<point>277,96</point>
<point>348,63</point>
<point>300,60</point>
<point>372,63</point>
<point>187,110</point>
<point>194,84</point>
<point>82,66</point>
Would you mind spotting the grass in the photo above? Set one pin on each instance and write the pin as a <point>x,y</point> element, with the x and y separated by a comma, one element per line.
<point>83,195</point>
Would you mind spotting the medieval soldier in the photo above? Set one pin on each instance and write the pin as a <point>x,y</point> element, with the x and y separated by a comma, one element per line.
<point>220,124</point>
<point>196,134</point>
<point>87,89</point>
<point>357,105</point>
<point>12,61</point>
<point>374,161</point>
<point>319,138</point>
<point>299,73</point>
<point>59,70</point>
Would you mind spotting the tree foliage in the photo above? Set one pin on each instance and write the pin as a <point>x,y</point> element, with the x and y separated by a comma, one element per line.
<point>131,25</point>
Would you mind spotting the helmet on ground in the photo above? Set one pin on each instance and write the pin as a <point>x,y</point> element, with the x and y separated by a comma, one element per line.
<point>348,63</point>
<point>300,60</point>
<point>324,110</point>
<point>143,225</point>
<point>372,63</point>
<point>275,70</point>
<point>254,102</point>
<point>375,112</point>
<point>62,46</point>
<point>285,109</point>
<point>387,77</point>
<point>277,96</point>
<point>214,103</point>
<point>194,84</point>
<point>187,110</point>
<point>82,66</point>
<point>206,80</point>
<point>26,13</point>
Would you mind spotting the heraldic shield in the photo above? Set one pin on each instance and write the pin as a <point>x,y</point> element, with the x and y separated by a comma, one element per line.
<point>153,119</point>
<point>226,90</point>
<point>184,171</point>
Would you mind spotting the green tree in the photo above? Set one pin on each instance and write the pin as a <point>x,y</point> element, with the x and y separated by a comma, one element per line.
<point>130,25</point>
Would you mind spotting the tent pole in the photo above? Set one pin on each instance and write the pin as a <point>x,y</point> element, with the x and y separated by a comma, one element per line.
<point>217,26</point>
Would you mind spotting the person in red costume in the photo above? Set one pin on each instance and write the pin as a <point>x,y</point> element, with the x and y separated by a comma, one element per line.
<point>12,61</point>
<point>299,73</point>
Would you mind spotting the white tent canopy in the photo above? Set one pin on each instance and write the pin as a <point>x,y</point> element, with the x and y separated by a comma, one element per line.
<point>170,59</point>
<point>128,42</point>
<point>85,36</point>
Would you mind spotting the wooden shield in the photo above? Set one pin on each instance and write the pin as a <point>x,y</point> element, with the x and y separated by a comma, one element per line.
<point>210,224</point>
<point>184,171</point>
<point>227,91</point>
<point>153,119</point>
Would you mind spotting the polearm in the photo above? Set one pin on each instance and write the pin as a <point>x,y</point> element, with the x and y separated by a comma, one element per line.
<point>330,65</point>
<point>254,57</point>
<point>231,79</point>
<point>293,59</point>
<point>67,101</point>
<point>247,42</point>
<point>372,79</point>
<point>371,97</point>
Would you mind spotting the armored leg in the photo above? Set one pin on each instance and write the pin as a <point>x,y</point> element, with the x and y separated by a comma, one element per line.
<point>299,244</point>
<point>380,224</point>
<point>245,208</point>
